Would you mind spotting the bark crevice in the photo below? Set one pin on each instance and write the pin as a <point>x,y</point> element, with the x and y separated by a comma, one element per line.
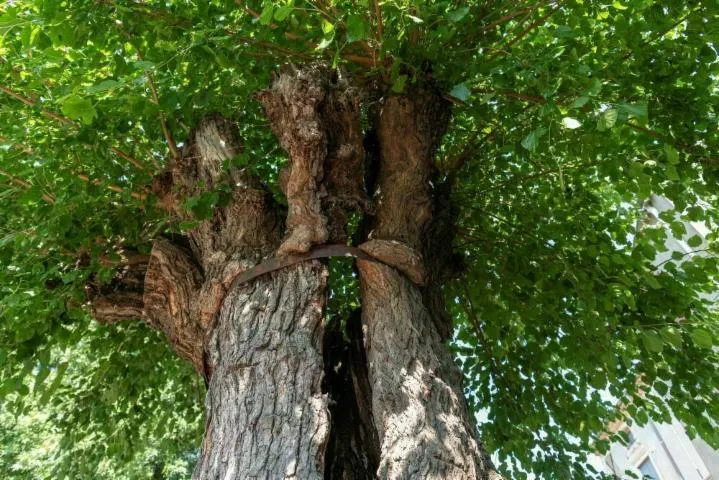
<point>353,448</point>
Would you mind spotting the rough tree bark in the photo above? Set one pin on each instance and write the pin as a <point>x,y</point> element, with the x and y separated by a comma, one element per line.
<point>425,428</point>
<point>288,396</point>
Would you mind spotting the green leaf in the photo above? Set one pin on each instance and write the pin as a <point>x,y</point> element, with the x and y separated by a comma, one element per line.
<point>459,14</point>
<point>652,341</point>
<point>661,388</point>
<point>266,15</point>
<point>671,153</point>
<point>103,86</point>
<point>398,85</point>
<point>144,65</point>
<point>78,108</point>
<point>607,120</point>
<point>571,123</point>
<point>579,102</point>
<point>356,28</point>
<point>695,241</point>
<point>415,19</point>
<point>327,27</point>
<point>652,281</point>
<point>531,141</point>
<point>461,92</point>
<point>701,338</point>
<point>283,12</point>
<point>638,110</point>
<point>672,336</point>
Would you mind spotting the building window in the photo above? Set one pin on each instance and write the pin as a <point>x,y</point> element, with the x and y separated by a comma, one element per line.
<point>647,470</point>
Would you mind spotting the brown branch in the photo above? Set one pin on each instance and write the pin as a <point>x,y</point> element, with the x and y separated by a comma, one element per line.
<point>110,186</point>
<point>127,157</point>
<point>48,198</point>
<point>360,60</point>
<point>370,62</point>
<point>122,298</point>
<point>537,23</point>
<point>508,17</point>
<point>17,146</point>
<point>31,103</point>
<point>378,19</point>
<point>166,132</point>
<point>51,198</point>
<point>174,153</point>
<point>170,300</point>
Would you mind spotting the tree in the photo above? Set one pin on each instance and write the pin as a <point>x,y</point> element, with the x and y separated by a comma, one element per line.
<point>483,166</point>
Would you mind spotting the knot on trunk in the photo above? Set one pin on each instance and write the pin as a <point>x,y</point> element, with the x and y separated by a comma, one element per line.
<point>315,114</point>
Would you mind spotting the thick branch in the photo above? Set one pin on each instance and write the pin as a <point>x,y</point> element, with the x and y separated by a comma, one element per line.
<point>121,299</point>
<point>315,114</point>
<point>424,425</point>
<point>172,284</point>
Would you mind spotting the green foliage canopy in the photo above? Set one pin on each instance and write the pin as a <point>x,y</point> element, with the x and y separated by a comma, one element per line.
<point>568,115</point>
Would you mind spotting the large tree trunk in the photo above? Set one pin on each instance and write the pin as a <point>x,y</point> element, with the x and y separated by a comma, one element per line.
<point>424,425</point>
<point>382,399</point>
<point>266,415</point>
<point>421,415</point>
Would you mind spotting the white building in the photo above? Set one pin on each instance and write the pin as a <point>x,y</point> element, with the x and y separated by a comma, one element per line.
<point>660,452</point>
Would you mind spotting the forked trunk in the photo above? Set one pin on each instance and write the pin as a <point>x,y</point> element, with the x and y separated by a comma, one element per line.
<point>285,401</point>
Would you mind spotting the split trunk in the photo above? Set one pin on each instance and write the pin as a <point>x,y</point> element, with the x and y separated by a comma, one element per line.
<point>243,296</point>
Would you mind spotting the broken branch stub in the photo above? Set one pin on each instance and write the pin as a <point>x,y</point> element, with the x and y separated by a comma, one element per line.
<point>315,114</point>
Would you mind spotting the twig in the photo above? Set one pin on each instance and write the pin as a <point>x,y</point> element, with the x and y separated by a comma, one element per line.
<point>166,132</point>
<point>692,252</point>
<point>127,157</point>
<point>163,123</point>
<point>27,185</point>
<point>508,17</point>
<point>110,186</point>
<point>540,21</point>
<point>31,103</point>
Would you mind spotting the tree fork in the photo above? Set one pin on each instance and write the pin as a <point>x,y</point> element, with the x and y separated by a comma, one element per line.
<point>284,400</point>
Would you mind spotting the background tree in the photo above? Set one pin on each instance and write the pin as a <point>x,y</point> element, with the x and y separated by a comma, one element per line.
<point>565,117</point>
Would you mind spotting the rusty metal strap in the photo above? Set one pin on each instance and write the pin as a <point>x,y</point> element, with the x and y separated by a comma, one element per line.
<point>321,251</point>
